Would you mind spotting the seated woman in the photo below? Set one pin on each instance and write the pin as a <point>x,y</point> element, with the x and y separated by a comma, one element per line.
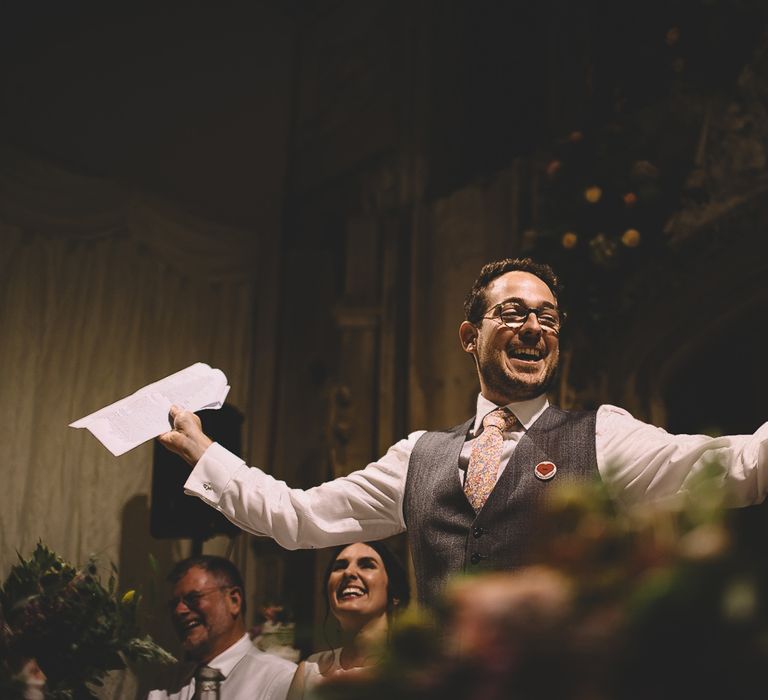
<point>365,586</point>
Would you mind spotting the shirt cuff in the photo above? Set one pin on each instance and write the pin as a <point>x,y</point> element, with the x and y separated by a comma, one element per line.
<point>212,474</point>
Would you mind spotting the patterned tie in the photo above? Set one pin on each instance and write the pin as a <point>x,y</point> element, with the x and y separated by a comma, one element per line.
<point>207,683</point>
<point>485,458</point>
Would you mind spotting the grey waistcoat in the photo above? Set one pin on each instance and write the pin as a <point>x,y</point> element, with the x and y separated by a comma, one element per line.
<point>445,534</point>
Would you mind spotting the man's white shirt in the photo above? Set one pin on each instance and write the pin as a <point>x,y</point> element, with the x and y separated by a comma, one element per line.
<point>249,674</point>
<point>642,463</point>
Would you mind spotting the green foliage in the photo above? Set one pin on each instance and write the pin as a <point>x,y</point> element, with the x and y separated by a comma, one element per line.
<point>76,628</point>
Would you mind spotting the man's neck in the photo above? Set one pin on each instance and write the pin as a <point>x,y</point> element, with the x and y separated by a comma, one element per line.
<point>222,645</point>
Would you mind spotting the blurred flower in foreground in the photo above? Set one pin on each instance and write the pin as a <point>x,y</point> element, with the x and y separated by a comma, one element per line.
<point>669,600</point>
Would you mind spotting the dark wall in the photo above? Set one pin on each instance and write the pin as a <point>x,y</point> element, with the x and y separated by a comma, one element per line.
<point>187,100</point>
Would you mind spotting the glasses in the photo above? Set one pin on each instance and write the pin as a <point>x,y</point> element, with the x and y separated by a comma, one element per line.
<point>192,599</point>
<point>514,314</point>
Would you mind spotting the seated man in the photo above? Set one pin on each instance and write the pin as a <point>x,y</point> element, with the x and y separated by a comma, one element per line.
<point>208,611</point>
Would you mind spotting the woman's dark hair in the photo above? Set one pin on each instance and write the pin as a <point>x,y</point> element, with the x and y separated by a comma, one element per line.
<point>398,588</point>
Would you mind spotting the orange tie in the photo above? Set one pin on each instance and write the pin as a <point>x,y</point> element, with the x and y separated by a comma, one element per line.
<point>485,458</point>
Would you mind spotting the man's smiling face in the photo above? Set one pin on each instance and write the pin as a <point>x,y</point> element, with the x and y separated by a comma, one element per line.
<point>206,614</point>
<point>514,364</point>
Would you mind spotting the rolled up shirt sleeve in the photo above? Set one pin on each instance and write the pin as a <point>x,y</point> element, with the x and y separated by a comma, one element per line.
<point>644,463</point>
<point>365,505</point>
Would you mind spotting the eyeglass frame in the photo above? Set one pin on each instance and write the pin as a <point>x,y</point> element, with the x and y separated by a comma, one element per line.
<point>195,597</point>
<point>535,310</point>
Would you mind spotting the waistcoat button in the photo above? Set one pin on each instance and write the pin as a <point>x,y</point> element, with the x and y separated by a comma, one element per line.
<point>478,532</point>
<point>475,558</point>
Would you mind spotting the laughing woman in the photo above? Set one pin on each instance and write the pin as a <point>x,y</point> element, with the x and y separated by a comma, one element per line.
<point>365,586</point>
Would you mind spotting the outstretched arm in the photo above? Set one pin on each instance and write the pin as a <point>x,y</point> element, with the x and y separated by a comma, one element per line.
<point>646,463</point>
<point>365,505</point>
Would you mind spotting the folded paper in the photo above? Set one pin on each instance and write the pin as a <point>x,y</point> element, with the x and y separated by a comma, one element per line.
<point>143,415</point>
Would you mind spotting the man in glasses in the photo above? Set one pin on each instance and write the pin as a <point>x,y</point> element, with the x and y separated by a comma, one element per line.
<point>467,496</point>
<point>207,609</point>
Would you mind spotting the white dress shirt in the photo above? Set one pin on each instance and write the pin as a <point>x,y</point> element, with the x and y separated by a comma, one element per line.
<point>641,461</point>
<point>249,674</point>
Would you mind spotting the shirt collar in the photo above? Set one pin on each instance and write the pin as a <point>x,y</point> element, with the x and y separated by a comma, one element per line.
<point>228,658</point>
<point>527,412</point>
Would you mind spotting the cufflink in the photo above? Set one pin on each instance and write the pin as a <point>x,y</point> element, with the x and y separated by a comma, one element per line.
<point>545,470</point>
<point>208,486</point>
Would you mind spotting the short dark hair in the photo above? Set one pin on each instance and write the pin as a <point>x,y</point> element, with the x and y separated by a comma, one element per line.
<point>222,568</point>
<point>476,302</point>
<point>398,588</point>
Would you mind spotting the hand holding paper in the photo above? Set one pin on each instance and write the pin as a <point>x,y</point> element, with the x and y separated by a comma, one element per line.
<point>186,438</point>
<point>143,415</point>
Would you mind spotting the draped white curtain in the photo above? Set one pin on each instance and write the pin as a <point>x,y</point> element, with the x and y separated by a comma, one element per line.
<point>102,291</point>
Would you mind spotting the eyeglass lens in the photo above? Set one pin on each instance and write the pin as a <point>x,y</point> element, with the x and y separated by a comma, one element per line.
<point>192,599</point>
<point>515,315</point>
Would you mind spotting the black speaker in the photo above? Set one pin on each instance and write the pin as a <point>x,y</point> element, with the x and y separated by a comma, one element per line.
<point>175,515</point>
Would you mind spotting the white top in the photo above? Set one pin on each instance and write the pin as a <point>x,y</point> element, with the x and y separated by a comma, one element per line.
<point>641,461</point>
<point>317,667</point>
<point>249,674</point>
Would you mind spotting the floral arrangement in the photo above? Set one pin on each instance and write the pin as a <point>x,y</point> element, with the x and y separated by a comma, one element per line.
<point>621,604</point>
<point>74,627</point>
<point>668,147</point>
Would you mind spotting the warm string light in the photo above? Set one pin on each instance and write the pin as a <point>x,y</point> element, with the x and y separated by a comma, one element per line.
<point>603,246</point>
